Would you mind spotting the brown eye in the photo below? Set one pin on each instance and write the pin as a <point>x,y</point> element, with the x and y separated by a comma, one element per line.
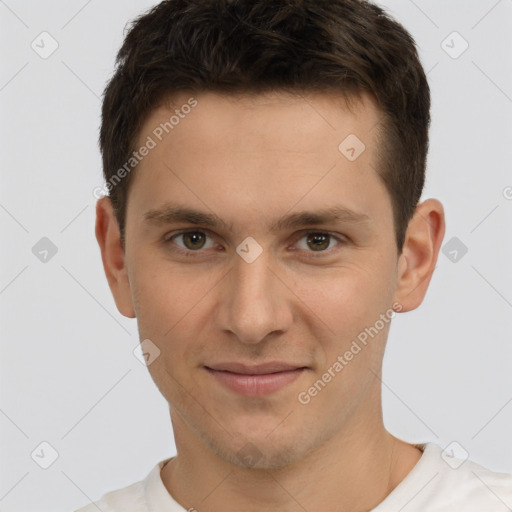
<point>195,240</point>
<point>191,241</point>
<point>318,241</point>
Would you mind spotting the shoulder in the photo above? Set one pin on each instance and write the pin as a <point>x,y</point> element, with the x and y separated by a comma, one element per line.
<point>472,485</point>
<point>128,499</point>
<point>442,482</point>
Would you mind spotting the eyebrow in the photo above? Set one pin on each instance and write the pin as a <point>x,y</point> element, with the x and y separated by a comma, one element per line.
<point>173,214</point>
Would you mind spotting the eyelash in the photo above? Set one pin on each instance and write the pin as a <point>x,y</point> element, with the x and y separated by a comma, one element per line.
<point>312,254</point>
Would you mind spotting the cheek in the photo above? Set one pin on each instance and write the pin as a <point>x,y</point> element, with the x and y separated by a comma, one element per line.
<point>346,297</point>
<point>162,294</point>
<point>345,308</point>
<point>173,306</point>
<point>165,310</point>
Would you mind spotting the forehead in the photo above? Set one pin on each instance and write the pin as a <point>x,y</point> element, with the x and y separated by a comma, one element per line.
<point>280,120</point>
<point>263,152</point>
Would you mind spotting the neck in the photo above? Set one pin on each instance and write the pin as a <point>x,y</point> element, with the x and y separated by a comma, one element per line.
<point>355,470</point>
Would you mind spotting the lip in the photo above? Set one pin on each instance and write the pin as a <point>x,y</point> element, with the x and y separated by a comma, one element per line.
<point>258,369</point>
<point>255,380</point>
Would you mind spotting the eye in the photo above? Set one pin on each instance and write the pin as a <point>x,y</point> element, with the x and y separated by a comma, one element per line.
<point>318,241</point>
<point>193,241</point>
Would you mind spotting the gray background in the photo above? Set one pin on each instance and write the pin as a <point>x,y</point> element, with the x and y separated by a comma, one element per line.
<point>68,373</point>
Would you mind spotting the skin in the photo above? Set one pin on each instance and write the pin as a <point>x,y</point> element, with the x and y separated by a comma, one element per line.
<point>251,160</point>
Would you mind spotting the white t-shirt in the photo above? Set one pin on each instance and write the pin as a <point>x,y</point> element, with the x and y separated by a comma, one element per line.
<point>433,485</point>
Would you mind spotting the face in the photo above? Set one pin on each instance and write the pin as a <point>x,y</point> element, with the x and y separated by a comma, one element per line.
<point>258,250</point>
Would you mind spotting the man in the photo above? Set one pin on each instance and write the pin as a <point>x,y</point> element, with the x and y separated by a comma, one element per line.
<point>264,162</point>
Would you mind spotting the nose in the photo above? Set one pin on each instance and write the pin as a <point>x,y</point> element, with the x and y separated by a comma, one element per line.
<point>254,303</point>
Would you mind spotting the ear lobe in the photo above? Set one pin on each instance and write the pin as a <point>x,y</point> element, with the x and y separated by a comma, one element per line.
<point>112,254</point>
<point>417,262</point>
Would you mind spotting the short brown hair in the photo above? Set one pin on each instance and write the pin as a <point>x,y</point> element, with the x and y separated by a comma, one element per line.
<point>257,46</point>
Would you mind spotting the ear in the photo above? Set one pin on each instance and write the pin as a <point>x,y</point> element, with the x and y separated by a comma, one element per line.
<point>419,254</point>
<point>112,254</point>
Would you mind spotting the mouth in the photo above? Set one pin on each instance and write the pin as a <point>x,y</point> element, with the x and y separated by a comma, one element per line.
<point>255,380</point>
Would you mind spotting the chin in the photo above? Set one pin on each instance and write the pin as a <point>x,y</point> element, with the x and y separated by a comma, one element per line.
<point>252,456</point>
<point>264,451</point>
